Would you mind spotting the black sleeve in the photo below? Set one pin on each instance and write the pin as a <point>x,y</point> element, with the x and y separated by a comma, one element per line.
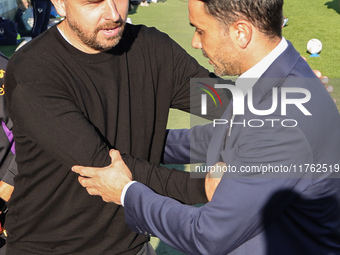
<point>186,96</point>
<point>50,118</point>
<point>168,182</point>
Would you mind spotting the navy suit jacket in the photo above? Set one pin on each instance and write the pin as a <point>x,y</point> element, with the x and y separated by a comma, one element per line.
<point>255,213</point>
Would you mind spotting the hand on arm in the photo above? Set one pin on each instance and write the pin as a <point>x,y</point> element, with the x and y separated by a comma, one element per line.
<point>6,190</point>
<point>212,180</point>
<point>107,182</point>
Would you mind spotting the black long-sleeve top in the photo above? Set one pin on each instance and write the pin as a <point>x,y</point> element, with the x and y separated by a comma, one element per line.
<point>69,108</point>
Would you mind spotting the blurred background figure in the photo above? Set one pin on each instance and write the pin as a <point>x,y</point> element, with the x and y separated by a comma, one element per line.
<point>24,18</point>
<point>285,21</point>
<point>144,3</point>
<point>41,13</point>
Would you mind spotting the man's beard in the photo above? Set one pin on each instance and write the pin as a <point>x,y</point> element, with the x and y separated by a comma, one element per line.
<point>90,39</point>
<point>225,67</point>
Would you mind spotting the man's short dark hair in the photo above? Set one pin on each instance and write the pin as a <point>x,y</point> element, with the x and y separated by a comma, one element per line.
<point>265,15</point>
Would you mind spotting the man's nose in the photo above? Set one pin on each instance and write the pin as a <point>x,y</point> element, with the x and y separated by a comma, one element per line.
<point>196,41</point>
<point>110,11</point>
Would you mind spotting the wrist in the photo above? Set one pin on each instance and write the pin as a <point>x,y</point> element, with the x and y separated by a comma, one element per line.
<point>122,196</point>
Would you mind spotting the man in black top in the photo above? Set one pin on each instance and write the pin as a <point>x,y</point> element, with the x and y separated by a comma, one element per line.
<point>90,83</point>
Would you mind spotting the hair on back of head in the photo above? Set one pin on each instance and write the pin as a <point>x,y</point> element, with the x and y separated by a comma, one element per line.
<point>265,15</point>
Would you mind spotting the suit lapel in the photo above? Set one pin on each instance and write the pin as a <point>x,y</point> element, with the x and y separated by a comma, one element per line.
<point>275,75</point>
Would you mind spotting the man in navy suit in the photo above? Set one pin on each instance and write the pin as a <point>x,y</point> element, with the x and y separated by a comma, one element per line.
<point>290,203</point>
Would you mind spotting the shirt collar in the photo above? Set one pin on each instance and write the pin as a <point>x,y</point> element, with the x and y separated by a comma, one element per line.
<point>63,35</point>
<point>253,74</point>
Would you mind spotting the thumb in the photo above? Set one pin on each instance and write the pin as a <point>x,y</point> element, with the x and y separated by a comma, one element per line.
<point>115,156</point>
<point>76,169</point>
<point>84,171</point>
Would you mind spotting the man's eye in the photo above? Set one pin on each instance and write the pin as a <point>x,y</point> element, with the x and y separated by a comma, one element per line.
<point>198,31</point>
<point>94,1</point>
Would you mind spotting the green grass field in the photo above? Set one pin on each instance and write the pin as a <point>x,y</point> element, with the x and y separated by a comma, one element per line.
<point>307,19</point>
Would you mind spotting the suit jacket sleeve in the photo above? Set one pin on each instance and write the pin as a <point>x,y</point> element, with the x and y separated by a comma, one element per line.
<point>235,214</point>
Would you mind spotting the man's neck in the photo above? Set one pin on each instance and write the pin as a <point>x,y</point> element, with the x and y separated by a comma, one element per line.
<point>259,49</point>
<point>250,77</point>
<point>73,39</point>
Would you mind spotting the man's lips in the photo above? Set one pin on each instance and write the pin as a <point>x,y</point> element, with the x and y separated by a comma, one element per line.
<point>206,56</point>
<point>110,32</point>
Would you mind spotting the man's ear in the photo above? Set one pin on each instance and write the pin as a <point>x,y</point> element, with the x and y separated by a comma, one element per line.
<point>243,32</point>
<point>60,7</point>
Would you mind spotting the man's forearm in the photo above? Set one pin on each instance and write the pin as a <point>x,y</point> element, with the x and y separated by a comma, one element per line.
<point>172,183</point>
<point>112,182</point>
